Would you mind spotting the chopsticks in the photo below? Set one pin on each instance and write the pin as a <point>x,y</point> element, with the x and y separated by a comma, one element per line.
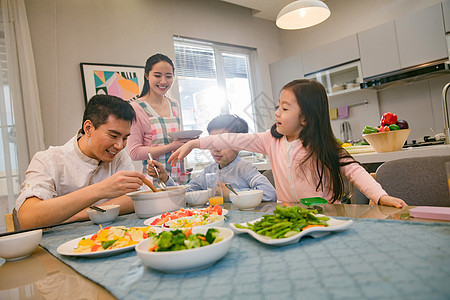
<point>36,228</point>
<point>97,208</point>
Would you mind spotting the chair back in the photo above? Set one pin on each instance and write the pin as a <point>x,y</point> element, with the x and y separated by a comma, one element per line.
<point>418,180</point>
<point>268,173</point>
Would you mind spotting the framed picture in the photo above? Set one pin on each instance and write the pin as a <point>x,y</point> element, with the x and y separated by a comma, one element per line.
<point>122,81</point>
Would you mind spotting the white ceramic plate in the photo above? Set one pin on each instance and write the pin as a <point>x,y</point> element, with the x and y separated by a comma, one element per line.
<point>68,247</point>
<point>150,220</point>
<point>187,134</point>
<point>334,225</point>
<point>186,260</point>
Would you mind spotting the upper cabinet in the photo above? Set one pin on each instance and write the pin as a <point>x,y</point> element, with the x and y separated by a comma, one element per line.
<point>446,10</point>
<point>285,71</point>
<point>408,41</point>
<point>379,50</point>
<point>330,55</point>
<point>421,36</point>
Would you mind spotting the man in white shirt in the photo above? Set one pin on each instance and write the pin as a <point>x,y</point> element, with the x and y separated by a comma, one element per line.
<point>91,168</point>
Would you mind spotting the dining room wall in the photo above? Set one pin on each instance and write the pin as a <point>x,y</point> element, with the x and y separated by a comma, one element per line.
<point>67,32</point>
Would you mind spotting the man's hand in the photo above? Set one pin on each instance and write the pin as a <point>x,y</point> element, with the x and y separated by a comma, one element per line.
<point>120,183</point>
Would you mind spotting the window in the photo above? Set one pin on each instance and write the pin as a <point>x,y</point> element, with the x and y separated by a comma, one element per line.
<point>9,165</point>
<point>213,79</point>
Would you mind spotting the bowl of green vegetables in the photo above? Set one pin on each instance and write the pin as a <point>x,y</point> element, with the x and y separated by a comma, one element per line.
<point>179,251</point>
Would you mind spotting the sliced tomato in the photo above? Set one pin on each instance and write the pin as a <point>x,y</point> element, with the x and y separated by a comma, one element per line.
<point>95,247</point>
<point>145,235</point>
<point>94,237</point>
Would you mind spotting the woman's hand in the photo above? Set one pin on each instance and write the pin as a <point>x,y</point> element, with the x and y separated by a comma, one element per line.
<point>183,151</point>
<point>163,175</point>
<point>392,201</point>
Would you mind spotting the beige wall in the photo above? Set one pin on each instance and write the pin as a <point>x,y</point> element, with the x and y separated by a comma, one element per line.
<point>67,32</point>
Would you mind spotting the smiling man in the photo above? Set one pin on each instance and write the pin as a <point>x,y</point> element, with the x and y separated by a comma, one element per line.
<point>91,168</point>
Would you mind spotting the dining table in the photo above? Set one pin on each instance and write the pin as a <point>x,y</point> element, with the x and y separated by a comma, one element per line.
<point>385,253</point>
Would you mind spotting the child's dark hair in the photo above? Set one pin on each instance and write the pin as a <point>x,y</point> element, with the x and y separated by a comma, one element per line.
<point>317,135</point>
<point>232,123</point>
<point>100,107</point>
<point>151,61</point>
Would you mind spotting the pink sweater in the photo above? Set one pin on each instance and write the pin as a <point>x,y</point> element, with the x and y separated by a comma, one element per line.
<point>292,183</point>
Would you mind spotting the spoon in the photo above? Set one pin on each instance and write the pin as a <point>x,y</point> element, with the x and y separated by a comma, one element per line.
<point>161,184</point>
<point>230,187</point>
<point>97,208</point>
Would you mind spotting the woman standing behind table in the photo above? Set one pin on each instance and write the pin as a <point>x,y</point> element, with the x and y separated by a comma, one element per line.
<point>157,115</point>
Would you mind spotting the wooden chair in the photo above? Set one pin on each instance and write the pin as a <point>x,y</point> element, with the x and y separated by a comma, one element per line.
<point>416,180</point>
<point>12,222</point>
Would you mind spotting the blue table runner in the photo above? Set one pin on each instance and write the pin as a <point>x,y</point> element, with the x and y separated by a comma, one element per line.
<point>373,259</point>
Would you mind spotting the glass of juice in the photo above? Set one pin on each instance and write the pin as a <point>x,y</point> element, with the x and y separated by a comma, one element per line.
<point>215,186</point>
<point>447,167</point>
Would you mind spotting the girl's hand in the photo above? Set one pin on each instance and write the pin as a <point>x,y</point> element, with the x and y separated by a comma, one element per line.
<point>183,151</point>
<point>392,201</point>
<point>163,175</point>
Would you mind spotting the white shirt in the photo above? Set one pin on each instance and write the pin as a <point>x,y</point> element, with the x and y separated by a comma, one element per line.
<point>61,170</point>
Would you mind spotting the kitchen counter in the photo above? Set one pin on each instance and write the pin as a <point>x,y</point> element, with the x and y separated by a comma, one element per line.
<point>375,157</point>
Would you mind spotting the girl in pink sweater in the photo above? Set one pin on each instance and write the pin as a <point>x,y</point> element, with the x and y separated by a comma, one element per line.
<point>307,161</point>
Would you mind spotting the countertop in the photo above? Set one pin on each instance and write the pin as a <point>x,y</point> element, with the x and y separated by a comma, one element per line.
<point>375,157</point>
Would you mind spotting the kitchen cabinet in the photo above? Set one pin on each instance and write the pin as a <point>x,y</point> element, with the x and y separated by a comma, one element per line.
<point>421,36</point>
<point>378,49</point>
<point>330,55</point>
<point>341,79</point>
<point>446,11</point>
<point>284,71</point>
<point>408,41</point>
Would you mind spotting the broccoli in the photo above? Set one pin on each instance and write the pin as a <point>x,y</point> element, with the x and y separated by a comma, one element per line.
<point>211,235</point>
<point>193,242</point>
<point>165,240</point>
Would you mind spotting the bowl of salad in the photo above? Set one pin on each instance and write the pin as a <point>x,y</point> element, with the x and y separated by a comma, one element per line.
<point>179,251</point>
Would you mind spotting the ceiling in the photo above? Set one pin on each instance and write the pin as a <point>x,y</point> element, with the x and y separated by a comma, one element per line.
<point>264,9</point>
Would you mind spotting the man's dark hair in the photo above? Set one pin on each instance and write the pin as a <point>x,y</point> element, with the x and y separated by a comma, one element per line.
<point>100,107</point>
<point>232,123</point>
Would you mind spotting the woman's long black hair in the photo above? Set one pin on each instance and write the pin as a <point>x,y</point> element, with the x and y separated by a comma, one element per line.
<point>317,136</point>
<point>151,61</point>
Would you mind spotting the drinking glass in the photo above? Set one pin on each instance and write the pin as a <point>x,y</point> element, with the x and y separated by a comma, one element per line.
<point>215,186</point>
<point>447,167</point>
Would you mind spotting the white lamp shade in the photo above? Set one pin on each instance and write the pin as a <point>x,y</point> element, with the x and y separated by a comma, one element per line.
<point>302,14</point>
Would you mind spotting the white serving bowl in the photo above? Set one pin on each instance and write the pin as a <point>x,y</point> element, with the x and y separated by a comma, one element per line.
<point>98,217</point>
<point>197,198</point>
<point>186,260</point>
<point>247,200</point>
<point>20,245</point>
<point>148,204</point>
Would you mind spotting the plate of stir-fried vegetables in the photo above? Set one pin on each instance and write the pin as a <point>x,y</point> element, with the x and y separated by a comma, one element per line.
<point>107,241</point>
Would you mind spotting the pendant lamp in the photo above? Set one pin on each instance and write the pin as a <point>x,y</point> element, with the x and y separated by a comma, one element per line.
<point>302,14</point>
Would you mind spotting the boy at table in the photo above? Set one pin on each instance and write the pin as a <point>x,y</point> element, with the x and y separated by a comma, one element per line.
<point>91,168</point>
<point>232,169</point>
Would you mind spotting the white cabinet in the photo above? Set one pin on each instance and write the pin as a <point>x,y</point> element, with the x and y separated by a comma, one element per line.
<point>341,79</point>
<point>284,71</point>
<point>408,41</point>
<point>330,55</point>
<point>446,11</point>
<point>379,50</point>
<point>421,36</point>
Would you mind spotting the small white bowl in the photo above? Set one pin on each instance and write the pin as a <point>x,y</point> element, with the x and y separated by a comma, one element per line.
<point>98,217</point>
<point>186,260</point>
<point>247,200</point>
<point>197,198</point>
<point>20,245</point>
<point>148,204</point>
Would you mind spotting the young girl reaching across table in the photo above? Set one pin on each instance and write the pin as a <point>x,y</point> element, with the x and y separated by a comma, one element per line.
<point>307,161</point>
<point>157,115</point>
